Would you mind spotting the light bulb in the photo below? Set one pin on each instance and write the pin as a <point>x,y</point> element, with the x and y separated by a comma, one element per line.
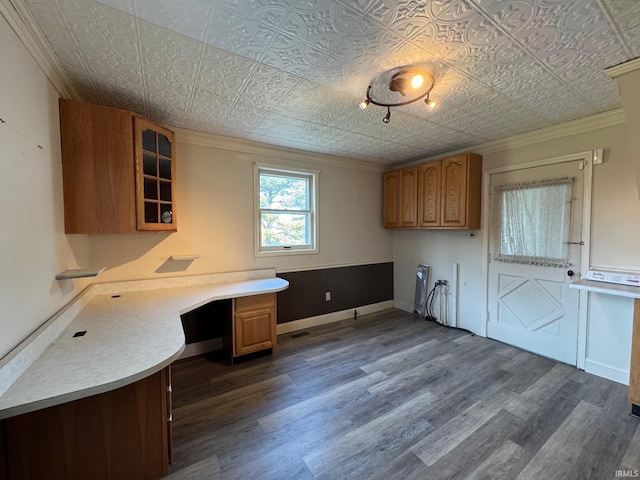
<point>430,103</point>
<point>387,117</point>
<point>417,81</point>
<point>364,103</point>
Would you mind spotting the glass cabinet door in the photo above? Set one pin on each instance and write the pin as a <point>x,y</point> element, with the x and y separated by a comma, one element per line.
<point>155,176</point>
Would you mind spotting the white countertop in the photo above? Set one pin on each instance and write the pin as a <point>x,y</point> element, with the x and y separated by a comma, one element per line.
<point>607,288</point>
<point>127,338</point>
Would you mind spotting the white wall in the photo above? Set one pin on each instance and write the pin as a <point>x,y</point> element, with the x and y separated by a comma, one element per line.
<point>215,218</point>
<point>33,247</point>
<point>615,229</point>
<point>214,208</point>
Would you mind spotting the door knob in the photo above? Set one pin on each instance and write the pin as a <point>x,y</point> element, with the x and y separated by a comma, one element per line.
<point>570,273</point>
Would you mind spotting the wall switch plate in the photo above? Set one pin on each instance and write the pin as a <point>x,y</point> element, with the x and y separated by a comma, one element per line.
<point>598,156</point>
<point>327,296</point>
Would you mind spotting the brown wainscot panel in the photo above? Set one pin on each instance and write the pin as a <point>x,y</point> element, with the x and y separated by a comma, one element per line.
<point>350,287</point>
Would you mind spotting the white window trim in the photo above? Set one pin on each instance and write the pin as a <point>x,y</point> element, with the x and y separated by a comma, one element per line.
<point>285,251</point>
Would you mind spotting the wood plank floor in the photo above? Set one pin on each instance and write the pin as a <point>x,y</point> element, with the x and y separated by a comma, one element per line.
<point>389,396</point>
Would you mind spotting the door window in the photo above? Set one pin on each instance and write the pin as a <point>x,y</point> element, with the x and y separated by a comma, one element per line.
<point>533,222</point>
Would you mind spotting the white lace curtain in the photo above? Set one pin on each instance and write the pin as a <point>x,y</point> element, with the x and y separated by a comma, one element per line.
<point>532,222</point>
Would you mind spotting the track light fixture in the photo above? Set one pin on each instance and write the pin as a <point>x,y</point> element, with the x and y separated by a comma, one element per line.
<point>400,86</point>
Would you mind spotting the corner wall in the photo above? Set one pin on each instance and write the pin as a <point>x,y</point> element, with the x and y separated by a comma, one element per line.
<point>33,247</point>
<point>615,227</point>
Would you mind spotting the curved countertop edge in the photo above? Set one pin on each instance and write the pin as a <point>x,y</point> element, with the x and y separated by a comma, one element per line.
<point>88,392</point>
<point>211,292</point>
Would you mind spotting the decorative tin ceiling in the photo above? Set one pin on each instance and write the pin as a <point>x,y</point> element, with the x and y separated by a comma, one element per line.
<point>292,72</point>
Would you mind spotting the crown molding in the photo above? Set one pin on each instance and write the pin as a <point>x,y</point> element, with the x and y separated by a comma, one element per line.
<point>622,68</point>
<point>212,140</point>
<point>567,129</point>
<point>554,132</point>
<point>26,28</point>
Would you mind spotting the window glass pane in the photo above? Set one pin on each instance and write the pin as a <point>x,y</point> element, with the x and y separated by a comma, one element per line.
<point>149,141</point>
<point>284,193</point>
<point>150,212</point>
<point>164,146</point>
<point>150,189</point>
<point>165,191</point>
<point>165,168</point>
<point>149,165</point>
<point>534,222</point>
<point>284,229</point>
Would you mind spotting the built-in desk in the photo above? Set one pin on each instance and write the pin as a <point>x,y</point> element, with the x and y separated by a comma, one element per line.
<point>630,292</point>
<point>98,396</point>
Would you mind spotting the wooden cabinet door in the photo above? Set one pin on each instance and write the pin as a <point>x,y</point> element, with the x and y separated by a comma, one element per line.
<point>429,194</point>
<point>155,176</point>
<point>254,323</point>
<point>391,194</point>
<point>97,167</point>
<point>409,197</point>
<point>454,192</point>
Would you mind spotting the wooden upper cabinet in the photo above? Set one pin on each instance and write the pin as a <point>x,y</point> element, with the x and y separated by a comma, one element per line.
<point>429,194</point>
<point>118,171</point>
<point>391,194</point>
<point>446,194</point>
<point>461,191</point>
<point>454,191</point>
<point>409,197</point>
<point>400,198</point>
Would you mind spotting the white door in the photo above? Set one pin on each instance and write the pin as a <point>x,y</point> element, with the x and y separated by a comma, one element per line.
<point>532,306</point>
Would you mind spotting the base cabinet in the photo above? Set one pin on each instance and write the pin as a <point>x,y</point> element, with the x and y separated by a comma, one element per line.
<point>119,434</point>
<point>254,323</point>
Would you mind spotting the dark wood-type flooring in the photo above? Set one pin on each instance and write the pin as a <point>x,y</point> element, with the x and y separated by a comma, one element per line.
<point>388,396</point>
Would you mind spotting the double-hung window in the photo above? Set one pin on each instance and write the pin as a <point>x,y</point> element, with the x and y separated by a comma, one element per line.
<point>286,210</point>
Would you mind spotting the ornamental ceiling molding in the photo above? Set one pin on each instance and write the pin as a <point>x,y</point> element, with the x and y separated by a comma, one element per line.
<point>26,28</point>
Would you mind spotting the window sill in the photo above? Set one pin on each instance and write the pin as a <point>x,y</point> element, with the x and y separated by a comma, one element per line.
<point>285,253</point>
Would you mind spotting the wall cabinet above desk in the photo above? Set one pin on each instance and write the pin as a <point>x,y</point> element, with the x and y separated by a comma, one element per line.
<point>443,194</point>
<point>118,171</point>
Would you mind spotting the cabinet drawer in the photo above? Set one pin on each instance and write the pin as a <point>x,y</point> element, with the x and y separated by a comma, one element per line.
<point>254,302</point>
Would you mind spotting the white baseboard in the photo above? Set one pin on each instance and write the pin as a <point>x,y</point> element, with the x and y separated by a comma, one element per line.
<point>198,348</point>
<point>404,305</point>
<point>606,371</point>
<point>332,317</point>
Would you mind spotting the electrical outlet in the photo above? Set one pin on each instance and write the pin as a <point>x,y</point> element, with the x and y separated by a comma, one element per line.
<point>327,296</point>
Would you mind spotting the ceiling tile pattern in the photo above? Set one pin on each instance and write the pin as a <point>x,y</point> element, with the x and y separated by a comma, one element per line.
<point>291,72</point>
